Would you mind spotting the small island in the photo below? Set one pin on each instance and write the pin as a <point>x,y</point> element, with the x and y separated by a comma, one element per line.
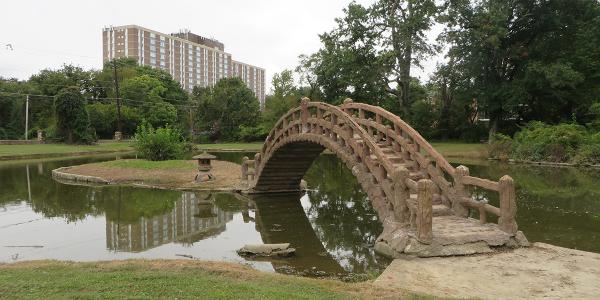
<point>167,174</point>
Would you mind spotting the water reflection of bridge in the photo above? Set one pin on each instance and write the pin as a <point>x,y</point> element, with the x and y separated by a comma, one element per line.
<point>193,217</point>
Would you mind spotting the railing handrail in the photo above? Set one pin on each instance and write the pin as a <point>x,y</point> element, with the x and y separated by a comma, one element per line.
<point>414,135</point>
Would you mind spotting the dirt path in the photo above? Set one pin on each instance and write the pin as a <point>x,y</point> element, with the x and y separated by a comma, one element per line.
<point>540,271</point>
<point>227,175</point>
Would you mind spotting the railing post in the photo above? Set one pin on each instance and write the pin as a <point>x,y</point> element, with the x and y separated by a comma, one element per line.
<point>347,101</point>
<point>508,205</point>
<point>457,206</point>
<point>425,211</point>
<point>256,160</point>
<point>245,168</point>
<point>401,194</point>
<point>304,116</point>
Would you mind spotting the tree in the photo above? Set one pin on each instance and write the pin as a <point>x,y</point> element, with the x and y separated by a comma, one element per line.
<point>518,58</point>
<point>368,56</point>
<point>224,108</point>
<point>284,97</point>
<point>72,118</point>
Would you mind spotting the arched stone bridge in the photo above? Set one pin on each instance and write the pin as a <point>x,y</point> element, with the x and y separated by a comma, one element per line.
<point>424,203</point>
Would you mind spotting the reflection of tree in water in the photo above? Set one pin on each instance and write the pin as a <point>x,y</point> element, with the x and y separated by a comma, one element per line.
<point>560,206</point>
<point>342,215</point>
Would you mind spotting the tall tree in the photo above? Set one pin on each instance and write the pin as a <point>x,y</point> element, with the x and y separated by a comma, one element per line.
<point>369,55</point>
<point>224,108</point>
<point>72,118</point>
<point>517,57</point>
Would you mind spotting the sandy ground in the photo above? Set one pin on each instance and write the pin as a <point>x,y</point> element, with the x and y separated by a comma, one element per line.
<point>227,175</point>
<point>541,271</point>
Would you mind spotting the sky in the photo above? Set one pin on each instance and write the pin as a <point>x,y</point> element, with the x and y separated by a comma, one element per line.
<point>267,33</point>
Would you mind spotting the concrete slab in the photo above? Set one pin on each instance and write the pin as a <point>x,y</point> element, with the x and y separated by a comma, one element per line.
<point>541,271</point>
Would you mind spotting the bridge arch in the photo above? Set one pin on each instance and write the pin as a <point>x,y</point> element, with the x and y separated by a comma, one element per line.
<point>303,134</point>
<point>407,181</point>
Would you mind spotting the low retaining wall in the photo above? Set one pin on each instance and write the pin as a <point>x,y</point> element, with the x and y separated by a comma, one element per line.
<point>61,174</point>
<point>20,142</point>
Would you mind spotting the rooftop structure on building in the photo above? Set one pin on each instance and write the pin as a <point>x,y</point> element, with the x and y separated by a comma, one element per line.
<point>191,59</point>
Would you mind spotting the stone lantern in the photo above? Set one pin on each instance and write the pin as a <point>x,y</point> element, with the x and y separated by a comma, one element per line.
<point>204,167</point>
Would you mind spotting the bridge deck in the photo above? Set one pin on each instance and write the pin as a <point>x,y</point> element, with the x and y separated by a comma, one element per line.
<point>452,235</point>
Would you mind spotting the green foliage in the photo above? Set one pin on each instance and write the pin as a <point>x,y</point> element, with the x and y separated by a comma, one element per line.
<point>590,151</point>
<point>520,59</point>
<point>285,97</point>
<point>500,146</point>
<point>103,117</point>
<point>163,143</point>
<point>73,121</point>
<point>224,108</point>
<point>540,142</point>
<point>368,56</point>
<point>254,133</point>
<point>424,118</point>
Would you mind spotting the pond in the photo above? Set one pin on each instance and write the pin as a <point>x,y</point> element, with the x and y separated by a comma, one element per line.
<point>332,226</point>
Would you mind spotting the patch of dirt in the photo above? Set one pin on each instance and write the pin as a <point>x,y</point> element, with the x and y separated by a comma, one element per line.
<point>227,175</point>
<point>540,271</point>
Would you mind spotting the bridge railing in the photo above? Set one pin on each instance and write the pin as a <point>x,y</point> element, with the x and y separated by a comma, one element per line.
<point>452,184</point>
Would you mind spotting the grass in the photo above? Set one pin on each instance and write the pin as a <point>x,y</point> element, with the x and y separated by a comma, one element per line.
<point>459,149</point>
<point>150,165</point>
<point>142,279</point>
<point>448,149</point>
<point>37,150</point>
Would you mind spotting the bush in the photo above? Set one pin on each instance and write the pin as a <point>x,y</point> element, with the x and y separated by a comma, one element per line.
<point>159,144</point>
<point>500,146</point>
<point>541,142</point>
<point>590,152</point>
<point>253,133</point>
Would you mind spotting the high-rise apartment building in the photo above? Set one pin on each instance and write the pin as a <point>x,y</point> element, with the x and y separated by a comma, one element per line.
<point>191,59</point>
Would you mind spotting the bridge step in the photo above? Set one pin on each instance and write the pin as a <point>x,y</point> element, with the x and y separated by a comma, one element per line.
<point>438,209</point>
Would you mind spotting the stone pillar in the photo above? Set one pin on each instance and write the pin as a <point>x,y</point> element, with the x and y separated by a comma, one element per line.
<point>304,116</point>
<point>425,189</point>
<point>401,194</point>
<point>457,206</point>
<point>508,205</point>
<point>118,136</point>
<point>40,136</point>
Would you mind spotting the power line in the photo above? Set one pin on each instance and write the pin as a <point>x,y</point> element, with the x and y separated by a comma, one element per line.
<point>104,98</point>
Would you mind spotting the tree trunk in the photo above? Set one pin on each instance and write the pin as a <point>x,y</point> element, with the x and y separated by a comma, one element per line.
<point>494,120</point>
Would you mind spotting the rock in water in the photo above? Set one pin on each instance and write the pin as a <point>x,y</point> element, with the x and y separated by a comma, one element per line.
<point>267,250</point>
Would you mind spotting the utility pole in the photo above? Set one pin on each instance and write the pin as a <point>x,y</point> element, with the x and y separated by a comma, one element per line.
<point>118,96</point>
<point>26,117</point>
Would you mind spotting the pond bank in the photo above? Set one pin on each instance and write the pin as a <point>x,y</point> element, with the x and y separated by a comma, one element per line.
<point>172,279</point>
<point>539,271</point>
<point>174,174</point>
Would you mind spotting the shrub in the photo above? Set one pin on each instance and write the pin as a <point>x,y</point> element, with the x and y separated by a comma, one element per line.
<point>253,133</point>
<point>541,142</point>
<point>590,152</point>
<point>159,144</point>
<point>500,146</point>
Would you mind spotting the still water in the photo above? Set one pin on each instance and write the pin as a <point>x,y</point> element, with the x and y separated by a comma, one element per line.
<point>333,226</point>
